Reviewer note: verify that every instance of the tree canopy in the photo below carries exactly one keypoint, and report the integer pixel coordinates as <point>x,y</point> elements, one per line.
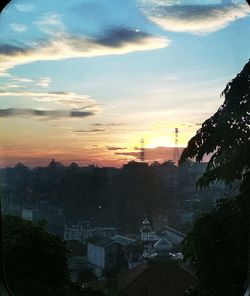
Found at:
<point>226,135</point>
<point>36,261</point>
<point>217,246</point>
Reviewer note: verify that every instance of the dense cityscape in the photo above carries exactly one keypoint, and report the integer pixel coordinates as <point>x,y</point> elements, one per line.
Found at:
<point>108,212</point>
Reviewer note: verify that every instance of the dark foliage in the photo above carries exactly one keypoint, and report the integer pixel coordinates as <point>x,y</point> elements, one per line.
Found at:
<point>217,246</point>
<point>217,249</point>
<point>36,261</point>
<point>226,135</point>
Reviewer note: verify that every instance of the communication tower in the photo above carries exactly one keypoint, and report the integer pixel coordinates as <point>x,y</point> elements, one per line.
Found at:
<point>142,151</point>
<point>176,155</point>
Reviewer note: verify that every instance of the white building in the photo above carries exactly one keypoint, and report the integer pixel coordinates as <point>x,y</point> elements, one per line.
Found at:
<point>118,253</point>
<point>102,256</point>
<point>75,232</point>
<point>81,232</point>
<point>28,214</point>
<point>150,237</point>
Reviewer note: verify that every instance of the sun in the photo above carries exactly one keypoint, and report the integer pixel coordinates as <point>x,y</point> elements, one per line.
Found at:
<point>161,141</point>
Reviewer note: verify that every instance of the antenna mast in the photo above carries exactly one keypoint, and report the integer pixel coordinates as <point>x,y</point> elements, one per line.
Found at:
<point>142,151</point>
<point>176,155</point>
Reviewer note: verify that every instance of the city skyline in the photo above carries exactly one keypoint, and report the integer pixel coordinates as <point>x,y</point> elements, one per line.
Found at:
<point>84,81</point>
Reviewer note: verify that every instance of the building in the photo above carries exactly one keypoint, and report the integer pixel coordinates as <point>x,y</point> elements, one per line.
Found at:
<point>82,232</point>
<point>155,280</point>
<point>75,232</point>
<point>118,253</point>
<point>161,276</point>
<point>102,256</point>
<point>121,253</point>
<point>131,250</point>
<point>28,214</point>
<point>150,237</point>
<point>104,232</point>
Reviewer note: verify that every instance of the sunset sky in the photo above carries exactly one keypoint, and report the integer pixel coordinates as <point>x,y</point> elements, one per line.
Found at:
<point>85,80</point>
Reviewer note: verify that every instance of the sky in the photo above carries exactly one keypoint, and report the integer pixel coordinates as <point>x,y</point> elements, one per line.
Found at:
<point>86,80</point>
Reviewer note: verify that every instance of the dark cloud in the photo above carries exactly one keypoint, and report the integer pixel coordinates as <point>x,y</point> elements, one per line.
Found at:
<point>198,19</point>
<point>116,148</point>
<point>119,36</point>
<point>8,49</point>
<point>43,113</point>
<point>80,113</point>
<point>95,130</point>
<point>64,46</point>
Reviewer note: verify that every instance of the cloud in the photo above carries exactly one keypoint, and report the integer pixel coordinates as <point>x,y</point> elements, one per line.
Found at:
<point>10,85</point>
<point>22,82</point>
<point>43,82</point>
<point>18,27</point>
<point>49,114</point>
<point>117,37</point>
<point>21,79</point>
<point>196,19</point>
<point>11,50</point>
<point>90,131</point>
<point>112,148</point>
<point>25,7</point>
<point>114,42</point>
<point>69,99</point>
<point>108,124</point>
<point>51,24</point>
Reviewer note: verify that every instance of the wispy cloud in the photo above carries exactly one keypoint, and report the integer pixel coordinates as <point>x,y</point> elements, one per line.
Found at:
<point>21,79</point>
<point>43,82</point>
<point>113,148</point>
<point>51,23</point>
<point>196,19</point>
<point>49,114</point>
<point>25,7</point>
<point>22,82</point>
<point>114,42</point>
<point>66,99</point>
<point>18,27</point>
<point>95,130</point>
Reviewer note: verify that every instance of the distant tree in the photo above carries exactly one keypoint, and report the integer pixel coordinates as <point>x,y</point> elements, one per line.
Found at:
<point>217,246</point>
<point>36,260</point>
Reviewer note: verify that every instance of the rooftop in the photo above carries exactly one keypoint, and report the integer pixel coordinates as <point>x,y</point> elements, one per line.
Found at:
<point>123,240</point>
<point>155,280</point>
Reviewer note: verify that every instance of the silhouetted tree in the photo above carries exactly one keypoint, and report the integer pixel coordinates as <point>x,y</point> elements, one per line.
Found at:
<point>36,261</point>
<point>217,246</point>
